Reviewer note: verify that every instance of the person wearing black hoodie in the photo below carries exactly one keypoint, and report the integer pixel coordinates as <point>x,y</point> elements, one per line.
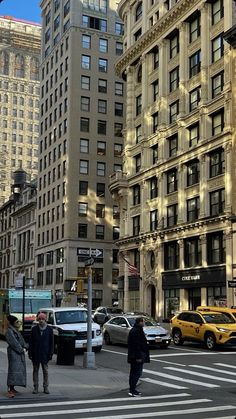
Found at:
<point>138,354</point>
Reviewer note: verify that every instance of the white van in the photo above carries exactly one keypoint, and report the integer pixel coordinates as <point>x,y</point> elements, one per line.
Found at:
<point>74,319</point>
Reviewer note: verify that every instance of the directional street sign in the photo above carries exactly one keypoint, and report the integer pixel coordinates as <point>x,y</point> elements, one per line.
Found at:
<point>232,284</point>
<point>89,262</point>
<point>95,252</point>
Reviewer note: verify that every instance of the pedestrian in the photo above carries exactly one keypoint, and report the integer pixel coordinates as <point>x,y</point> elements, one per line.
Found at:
<point>16,356</point>
<point>41,347</point>
<point>138,354</point>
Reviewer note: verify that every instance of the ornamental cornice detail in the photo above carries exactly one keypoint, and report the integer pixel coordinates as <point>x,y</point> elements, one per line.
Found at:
<point>154,33</point>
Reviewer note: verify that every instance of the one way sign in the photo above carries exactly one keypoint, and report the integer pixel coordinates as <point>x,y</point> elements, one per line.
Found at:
<point>95,252</point>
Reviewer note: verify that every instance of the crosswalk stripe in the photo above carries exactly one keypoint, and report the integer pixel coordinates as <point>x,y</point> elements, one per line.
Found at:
<point>225,365</point>
<point>199,374</point>
<point>213,369</point>
<point>170,413</point>
<point>105,408</point>
<point>93,401</point>
<point>185,380</point>
<point>161,383</point>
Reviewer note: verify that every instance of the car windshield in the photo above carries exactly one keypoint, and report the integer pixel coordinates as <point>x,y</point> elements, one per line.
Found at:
<point>148,321</point>
<point>112,310</point>
<point>71,316</point>
<point>217,318</point>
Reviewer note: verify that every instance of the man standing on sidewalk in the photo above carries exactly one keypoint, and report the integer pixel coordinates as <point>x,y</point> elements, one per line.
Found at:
<point>138,353</point>
<point>41,347</point>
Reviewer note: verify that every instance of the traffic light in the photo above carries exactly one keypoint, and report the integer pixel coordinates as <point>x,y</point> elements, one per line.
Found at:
<point>80,286</point>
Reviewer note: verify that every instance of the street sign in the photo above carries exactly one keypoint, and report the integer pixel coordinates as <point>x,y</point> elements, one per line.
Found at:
<point>87,252</point>
<point>232,284</point>
<point>95,252</point>
<point>89,262</point>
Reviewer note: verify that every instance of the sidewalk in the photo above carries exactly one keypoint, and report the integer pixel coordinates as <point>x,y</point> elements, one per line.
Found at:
<point>73,382</point>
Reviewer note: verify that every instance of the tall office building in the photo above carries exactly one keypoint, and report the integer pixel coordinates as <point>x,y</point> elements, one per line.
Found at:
<point>19,100</point>
<point>80,145</point>
<point>177,192</point>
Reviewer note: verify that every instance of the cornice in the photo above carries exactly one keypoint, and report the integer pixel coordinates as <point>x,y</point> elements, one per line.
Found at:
<point>154,33</point>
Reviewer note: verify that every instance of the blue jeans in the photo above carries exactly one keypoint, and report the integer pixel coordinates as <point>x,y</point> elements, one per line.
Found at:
<point>136,369</point>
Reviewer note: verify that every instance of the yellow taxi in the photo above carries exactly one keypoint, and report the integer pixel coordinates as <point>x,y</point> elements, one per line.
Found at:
<point>213,328</point>
<point>230,312</point>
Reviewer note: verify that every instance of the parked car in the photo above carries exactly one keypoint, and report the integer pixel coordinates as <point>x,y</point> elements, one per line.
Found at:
<point>210,327</point>
<point>103,314</point>
<point>63,319</point>
<point>116,330</point>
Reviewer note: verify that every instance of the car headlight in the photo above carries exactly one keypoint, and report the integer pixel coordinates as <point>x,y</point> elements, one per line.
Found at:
<point>98,332</point>
<point>222,329</point>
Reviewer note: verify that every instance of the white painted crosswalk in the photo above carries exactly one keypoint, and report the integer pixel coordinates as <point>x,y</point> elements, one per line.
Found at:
<point>177,405</point>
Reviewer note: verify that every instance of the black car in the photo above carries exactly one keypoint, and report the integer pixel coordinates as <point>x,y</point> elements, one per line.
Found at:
<point>103,314</point>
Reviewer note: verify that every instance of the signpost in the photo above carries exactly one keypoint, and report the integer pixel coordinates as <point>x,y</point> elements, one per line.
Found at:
<point>89,357</point>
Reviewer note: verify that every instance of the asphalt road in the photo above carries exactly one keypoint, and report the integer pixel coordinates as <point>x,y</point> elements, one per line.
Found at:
<point>180,382</point>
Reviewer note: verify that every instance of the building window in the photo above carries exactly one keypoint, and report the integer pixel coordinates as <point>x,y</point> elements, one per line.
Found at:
<point>153,220</point>
<point>194,98</point>
<point>86,62</point>
<point>136,194</point>
<point>137,34</point>
<point>102,86</point>
<point>174,79</point>
<point>192,252</point>
<point>154,122</point>
<point>85,82</point>
<point>137,160</point>
<point>217,162</point>
<point>118,128</point>
<point>217,48</point>
<point>215,248</point>
<point>153,182</point>
<point>172,182</point>
<point>172,215</point>
<point>138,105</point>
<point>193,135</point>
<point>194,28</point>
<point>155,58</point>
<point>100,232</point>
<point>154,154</point>
<point>82,231</point>
<point>174,111</point>
<point>155,90</point>
<point>85,104</point>
<point>84,145</point>
<point>173,145</point>
<point>102,65</point>
<point>118,109</point>
<point>217,122</point>
<point>84,124</point>
<point>217,11</point>
<point>83,167</point>
<point>86,41</point>
<point>136,225</point>
<point>102,106</point>
<point>116,212</point>
<point>118,148</point>
<point>101,148</point>
<point>217,84</point>
<point>193,172</point>
<point>171,255</point>
<point>101,169</point>
<point>100,210</point>
<point>119,48</point>
<point>138,133</point>
<point>103,45</point>
<point>193,209</point>
<point>174,45</point>
<point>83,187</point>
<point>102,127</point>
<point>217,202</point>
<point>138,11</point>
<point>195,64</point>
<point>83,209</point>
<point>101,188</point>
<point>119,88</point>
<point>116,233</point>
<point>119,28</point>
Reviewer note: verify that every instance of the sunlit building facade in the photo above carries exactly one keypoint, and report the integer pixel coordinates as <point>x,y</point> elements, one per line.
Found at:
<point>80,146</point>
<point>176,193</point>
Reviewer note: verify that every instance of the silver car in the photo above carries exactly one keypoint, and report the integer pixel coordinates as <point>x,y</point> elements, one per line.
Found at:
<point>116,330</point>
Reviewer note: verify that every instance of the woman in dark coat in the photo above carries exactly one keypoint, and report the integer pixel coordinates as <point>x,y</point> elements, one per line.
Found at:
<point>16,356</point>
<point>138,353</point>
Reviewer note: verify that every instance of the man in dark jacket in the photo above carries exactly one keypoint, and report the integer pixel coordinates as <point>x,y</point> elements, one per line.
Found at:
<point>41,347</point>
<point>138,353</point>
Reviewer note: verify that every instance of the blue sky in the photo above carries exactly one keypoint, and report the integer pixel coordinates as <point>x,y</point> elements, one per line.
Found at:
<point>22,9</point>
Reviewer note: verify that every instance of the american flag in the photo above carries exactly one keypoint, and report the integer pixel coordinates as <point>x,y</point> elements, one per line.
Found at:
<point>131,268</point>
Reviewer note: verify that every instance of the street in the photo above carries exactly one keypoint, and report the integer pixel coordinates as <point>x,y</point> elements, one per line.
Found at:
<point>179,382</point>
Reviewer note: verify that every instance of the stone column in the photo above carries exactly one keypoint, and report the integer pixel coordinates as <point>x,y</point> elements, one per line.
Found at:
<point>142,275</point>
<point>130,136</point>
<point>228,237</point>
<point>181,253</point>
<point>144,17</point>
<point>126,283</point>
<point>163,113</point>
<point>203,187</point>
<point>203,239</point>
<point>183,76</point>
<point>159,253</point>
<point>143,215</point>
<point>129,26</point>
<point>228,178</point>
<point>161,195</point>
<point>181,195</point>
<point>205,52</point>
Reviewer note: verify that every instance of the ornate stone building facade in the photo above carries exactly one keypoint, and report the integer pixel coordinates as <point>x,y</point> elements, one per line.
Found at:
<point>19,99</point>
<point>176,192</point>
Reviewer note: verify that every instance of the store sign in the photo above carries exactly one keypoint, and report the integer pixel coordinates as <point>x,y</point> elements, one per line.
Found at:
<point>191,278</point>
<point>202,277</point>
<point>232,284</point>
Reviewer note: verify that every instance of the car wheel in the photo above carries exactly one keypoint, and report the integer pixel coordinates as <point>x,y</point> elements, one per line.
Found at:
<point>210,341</point>
<point>97,348</point>
<point>107,339</point>
<point>177,337</point>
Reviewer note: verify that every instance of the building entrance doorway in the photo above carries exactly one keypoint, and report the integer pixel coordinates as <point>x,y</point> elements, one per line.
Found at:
<point>151,300</point>
<point>194,298</point>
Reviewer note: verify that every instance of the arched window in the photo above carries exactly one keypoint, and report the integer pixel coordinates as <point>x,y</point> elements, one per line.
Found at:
<point>4,63</point>
<point>19,66</point>
<point>139,11</point>
<point>139,74</point>
<point>34,69</point>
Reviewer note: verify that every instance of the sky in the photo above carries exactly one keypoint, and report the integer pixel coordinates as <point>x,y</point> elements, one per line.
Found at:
<point>21,9</point>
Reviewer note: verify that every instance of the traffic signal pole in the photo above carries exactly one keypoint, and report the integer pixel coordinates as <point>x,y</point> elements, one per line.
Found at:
<point>89,356</point>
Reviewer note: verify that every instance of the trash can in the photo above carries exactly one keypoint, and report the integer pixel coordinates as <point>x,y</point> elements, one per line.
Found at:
<point>66,348</point>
